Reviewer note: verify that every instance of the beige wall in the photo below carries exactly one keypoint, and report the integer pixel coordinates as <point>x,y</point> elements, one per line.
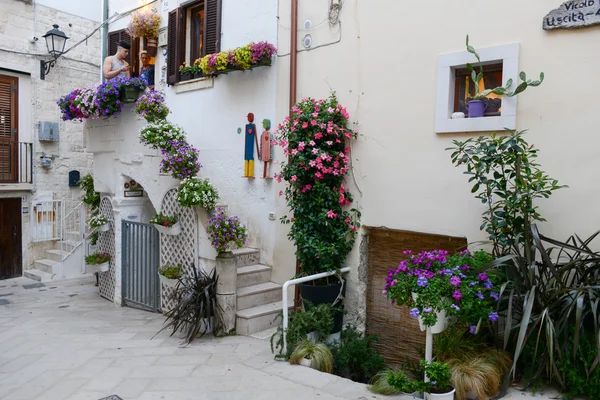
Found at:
<point>384,70</point>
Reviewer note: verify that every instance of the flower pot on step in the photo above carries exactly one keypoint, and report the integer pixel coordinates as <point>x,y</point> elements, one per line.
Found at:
<point>326,294</point>
<point>440,396</point>
<point>169,230</point>
<point>440,325</point>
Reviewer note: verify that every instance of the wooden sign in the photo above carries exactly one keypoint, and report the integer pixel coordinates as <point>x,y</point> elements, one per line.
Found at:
<point>573,14</point>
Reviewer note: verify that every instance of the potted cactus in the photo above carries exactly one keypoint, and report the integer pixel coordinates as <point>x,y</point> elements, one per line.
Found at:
<point>477,105</point>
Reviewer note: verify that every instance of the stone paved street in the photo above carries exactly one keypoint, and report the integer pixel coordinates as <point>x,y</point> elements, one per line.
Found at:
<point>62,341</point>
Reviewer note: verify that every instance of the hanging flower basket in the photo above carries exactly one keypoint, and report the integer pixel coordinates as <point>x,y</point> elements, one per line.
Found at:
<point>104,228</point>
<point>169,230</point>
<point>151,46</point>
<point>104,267</point>
<point>440,325</point>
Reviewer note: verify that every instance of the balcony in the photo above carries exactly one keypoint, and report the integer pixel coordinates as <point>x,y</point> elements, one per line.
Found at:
<point>16,166</point>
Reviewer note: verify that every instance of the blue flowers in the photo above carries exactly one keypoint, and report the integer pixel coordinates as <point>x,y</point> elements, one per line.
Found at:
<point>494,316</point>
<point>414,312</point>
<point>422,281</point>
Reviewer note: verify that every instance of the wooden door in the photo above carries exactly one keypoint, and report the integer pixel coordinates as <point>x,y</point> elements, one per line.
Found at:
<point>9,136</point>
<point>10,238</point>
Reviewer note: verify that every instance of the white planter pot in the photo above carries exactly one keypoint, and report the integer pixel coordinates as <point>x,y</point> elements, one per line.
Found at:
<point>440,325</point>
<point>306,362</point>
<point>166,281</point>
<point>312,336</point>
<point>173,230</point>
<point>442,396</point>
<point>104,228</point>
<point>472,395</point>
<point>210,326</point>
<point>104,267</point>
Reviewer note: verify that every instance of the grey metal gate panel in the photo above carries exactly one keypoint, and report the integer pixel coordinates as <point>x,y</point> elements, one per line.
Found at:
<point>140,261</point>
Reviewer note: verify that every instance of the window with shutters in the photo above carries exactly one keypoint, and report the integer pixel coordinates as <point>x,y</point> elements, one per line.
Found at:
<point>194,30</point>
<point>133,58</point>
<point>9,133</point>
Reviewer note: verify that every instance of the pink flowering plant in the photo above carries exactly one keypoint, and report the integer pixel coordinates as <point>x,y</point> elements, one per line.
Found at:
<point>151,105</point>
<point>316,142</point>
<point>445,283</point>
<point>164,220</point>
<point>225,231</point>
<point>97,258</point>
<point>262,53</point>
<point>180,159</point>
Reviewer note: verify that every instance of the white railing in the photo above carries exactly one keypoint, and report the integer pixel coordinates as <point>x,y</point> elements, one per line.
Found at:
<point>284,297</point>
<point>46,220</point>
<point>73,230</point>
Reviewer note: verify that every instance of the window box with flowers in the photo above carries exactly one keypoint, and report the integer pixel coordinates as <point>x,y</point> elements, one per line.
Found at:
<point>241,59</point>
<point>323,228</point>
<point>165,224</point>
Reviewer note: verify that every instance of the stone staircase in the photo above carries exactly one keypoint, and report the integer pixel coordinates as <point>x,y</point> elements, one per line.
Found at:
<point>54,266</point>
<point>258,299</point>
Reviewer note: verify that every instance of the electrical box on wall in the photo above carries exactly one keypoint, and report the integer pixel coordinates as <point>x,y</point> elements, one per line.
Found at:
<point>48,131</point>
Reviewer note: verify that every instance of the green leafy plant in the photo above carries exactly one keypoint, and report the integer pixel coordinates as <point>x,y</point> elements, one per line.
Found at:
<point>90,196</point>
<point>197,192</point>
<point>160,134</point>
<point>500,90</point>
<point>225,231</point>
<point>317,320</point>
<point>439,379</point>
<point>98,258</point>
<point>94,238</point>
<point>389,382</point>
<point>354,356</point>
<point>171,272</point>
<point>507,180</point>
<point>195,303</point>
<point>164,220</point>
<point>315,141</point>
<point>551,302</point>
<point>318,354</point>
<point>98,220</point>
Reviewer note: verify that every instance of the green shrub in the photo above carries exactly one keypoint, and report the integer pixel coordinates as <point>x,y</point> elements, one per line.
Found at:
<point>171,272</point>
<point>354,357</point>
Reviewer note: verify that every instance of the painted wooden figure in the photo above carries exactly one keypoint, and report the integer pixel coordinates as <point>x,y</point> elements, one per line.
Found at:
<point>251,139</point>
<point>266,154</point>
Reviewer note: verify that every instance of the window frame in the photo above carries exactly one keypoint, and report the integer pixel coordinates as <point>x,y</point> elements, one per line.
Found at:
<point>134,52</point>
<point>177,30</point>
<point>508,55</point>
<point>465,73</point>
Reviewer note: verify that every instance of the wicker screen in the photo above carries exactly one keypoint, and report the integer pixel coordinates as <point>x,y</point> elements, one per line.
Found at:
<point>400,338</point>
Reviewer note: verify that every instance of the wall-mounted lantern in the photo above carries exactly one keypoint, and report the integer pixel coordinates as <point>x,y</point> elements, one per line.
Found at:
<point>55,42</point>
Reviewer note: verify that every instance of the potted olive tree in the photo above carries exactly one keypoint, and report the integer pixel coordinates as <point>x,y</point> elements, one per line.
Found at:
<point>323,228</point>
<point>477,105</point>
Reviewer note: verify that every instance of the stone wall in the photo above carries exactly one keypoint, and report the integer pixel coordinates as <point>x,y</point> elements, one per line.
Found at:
<point>20,55</point>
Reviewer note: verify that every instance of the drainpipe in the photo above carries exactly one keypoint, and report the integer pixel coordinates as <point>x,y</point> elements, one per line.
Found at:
<point>104,38</point>
<point>293,54</point>
<point>293,81</point>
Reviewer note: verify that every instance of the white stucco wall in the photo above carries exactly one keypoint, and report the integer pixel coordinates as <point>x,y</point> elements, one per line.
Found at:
<point>384,70</point>
<point>212,116</point>
<point>20,22</point>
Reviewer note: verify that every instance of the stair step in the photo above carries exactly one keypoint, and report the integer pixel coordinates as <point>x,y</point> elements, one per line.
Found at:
<point>56,255</point>
<point>265,335</point>
<point>246,256</point>
<point>48,266</point>
<point>68,245</point>
<point>259,318</point>
<point>38,275</point>
<point>257,295</point>
<point>253,275</point>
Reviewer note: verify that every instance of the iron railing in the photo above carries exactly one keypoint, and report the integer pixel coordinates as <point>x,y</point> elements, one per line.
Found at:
<point>16,162</point>
<point>46,220</point>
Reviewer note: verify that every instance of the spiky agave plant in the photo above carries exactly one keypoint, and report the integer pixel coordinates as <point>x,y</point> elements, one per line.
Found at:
<point>196,302</point>
<point>318,353</point>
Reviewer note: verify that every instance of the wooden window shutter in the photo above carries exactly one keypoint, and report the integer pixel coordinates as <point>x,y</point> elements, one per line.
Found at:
<point>9,124</point>
<point>175,43</point>
<point>113,42</point>
<point>212,26</point>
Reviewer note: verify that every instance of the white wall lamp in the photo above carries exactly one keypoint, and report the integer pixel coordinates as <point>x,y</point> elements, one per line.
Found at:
<point>55,42</point>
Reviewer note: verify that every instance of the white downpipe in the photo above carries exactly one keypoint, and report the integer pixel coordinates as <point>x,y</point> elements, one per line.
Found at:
<point>294,282</point>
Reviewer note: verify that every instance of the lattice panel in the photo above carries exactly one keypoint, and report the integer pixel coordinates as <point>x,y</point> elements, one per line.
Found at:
<point>167,302</point>
<point>106,244</point>
<point>179,249</point>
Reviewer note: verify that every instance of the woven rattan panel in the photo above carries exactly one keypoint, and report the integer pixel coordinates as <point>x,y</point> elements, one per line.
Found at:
<point>400,338</point>
<point>106,244</point>
<point>178,249</point>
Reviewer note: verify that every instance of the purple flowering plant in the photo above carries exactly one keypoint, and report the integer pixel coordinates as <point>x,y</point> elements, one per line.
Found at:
<point>151,105</point>
<point>225,231</point>
<point>444,282</point>
<point>180,159</point>
<point>262,53</point>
